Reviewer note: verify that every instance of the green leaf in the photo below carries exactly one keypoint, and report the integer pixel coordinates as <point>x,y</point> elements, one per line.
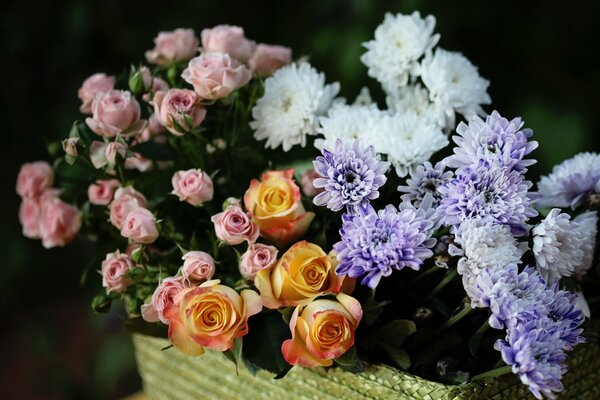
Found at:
<point>235,354</point>
<point>262,344</point>
<point>399,357</point>
<point>286,314</point>
<point>349,361</point>
<point>395,332</point>
<point>372,310</point>
<point>101,303</point>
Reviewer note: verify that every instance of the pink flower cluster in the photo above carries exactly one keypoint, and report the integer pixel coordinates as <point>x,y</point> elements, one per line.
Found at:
<point>43,214</point>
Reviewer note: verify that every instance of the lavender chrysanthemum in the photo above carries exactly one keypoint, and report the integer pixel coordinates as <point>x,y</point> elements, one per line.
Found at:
<point>488,192</point>
<point>571,182</point>
<point>586,227</point>
<point>373,244</point>
<point>425,179</point>
<point>496,140</point>
<point>351,175</point>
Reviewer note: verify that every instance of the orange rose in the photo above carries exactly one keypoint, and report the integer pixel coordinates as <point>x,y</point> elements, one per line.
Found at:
<point>211,315</point>
<point>322,331</point>
<point>303,273</point>
<point>274,204</point>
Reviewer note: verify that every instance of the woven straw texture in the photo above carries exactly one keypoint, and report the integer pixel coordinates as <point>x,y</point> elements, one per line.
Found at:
<point>169,374</point>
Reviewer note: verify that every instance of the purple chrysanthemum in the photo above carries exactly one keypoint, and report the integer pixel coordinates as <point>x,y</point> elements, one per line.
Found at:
<point>350,174</point>
<point>568,317</point>
<point>373,244</point>
<point>496,140</point>
<point>571,182</point>
<point>425,179</point>
<point>488,192</point>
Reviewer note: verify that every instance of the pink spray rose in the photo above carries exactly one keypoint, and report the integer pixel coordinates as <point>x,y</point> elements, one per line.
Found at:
<point>215,75</point>
<point>227,39</point>
<point>115,112</point>
<point>152,84</point>
<point>97,83</point>
<point>171,106</point>
<point>198,266</point>
<point>114,272</point>
<point>152,128</point>
<point>126,199</point>
<point>101,193</point>
<point>34,178</point>
<point>266,59</point>
<point>140,226</point>
<point>258,256</point>
<point>163,298</point>
<point>59,222</point>
<point>306,181</point>
<point>233,226</point>
<point>173,47</point>
<point>29,215</point>
<point>102,154</point>
<point>139,162</point>
<point>193,186</point>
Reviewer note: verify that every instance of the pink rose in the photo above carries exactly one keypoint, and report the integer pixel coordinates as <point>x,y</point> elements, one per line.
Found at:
<point>29,215</point>
<point>125,200</point>
<point>193,186</point>
<point>101,193</point>
<point>233,226</point>
<point>70,146</point>
<point>162,298</point>
<point>59,222</point>
<point>114,272</point>
<point>268,58</point>
<point>227,39</point>
<point>139,162</point>
<point>258,256</point>
<point>140,226</point>
<point>34,178</point>
<point>102,154</point>
<point>172,107</point>
<point>215,75</point>
<point>152,128</point>
<point>173,47</point>
<point>306,181</point>
<point>97,83</point>
<point>115,112</point>
<point>198,266</point>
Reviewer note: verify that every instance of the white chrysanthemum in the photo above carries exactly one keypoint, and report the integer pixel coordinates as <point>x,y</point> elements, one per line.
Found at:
<point>295,96</point>
<point>586,229</point>
<point>408,140</point>
<point>415,98</point>
<point>557,246</point>
<point>399,42</point>
<point>348,123</point>
<point>454,83</point>
<point>363,98</point>
<point>484,244</point>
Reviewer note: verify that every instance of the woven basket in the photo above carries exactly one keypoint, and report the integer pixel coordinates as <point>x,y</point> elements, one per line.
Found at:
<point>171,375</point>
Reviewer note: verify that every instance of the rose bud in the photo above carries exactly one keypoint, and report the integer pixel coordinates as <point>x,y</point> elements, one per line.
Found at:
<point>115,268</point>
<point>266,59</point>
<point>140,226</point>
<point>215,75</point>
<point>233,226</point>
<point>70,146</point>
<point>258,257</point>
<point>193,186</point>
<point>163,298</point>
<point>102,154</point>
<point>126,199</point>
<point>227,39</point>
<point>97,83</point>
<point>101,193</point>
<point>322,331</point>
<point>115,112</point>
<point>198,266</point>
<point>303,273</point>
<point>59,222</point>
<point>34,178</point>
<point>173,47</point>
<point>190,330</point>
<point>178,110</point>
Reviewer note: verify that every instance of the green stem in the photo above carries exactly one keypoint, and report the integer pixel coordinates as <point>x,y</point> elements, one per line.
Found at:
<point>492,374</point>
<point>447,279</point>
<point>424,274</point>
<point>466,310</point>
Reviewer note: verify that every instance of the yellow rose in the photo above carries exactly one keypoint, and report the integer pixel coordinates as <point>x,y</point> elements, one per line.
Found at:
<point>303,273</point>
<point>275,206</point>
<point>322,331</point>
<point>211,315</point>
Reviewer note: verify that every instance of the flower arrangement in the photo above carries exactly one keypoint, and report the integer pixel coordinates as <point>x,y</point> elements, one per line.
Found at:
<point>238,204</point>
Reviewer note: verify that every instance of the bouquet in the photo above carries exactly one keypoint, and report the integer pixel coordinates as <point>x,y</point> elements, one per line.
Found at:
<point>238,204</point>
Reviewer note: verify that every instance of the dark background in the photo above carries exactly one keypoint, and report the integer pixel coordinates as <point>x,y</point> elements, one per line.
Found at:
<point>538,56</point>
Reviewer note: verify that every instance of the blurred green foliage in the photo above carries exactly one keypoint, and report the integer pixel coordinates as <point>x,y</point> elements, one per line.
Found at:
<point>537,55</point>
